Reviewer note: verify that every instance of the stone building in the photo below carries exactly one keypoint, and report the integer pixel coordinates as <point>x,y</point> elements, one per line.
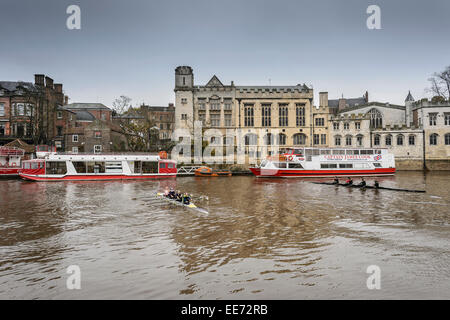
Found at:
<point>252,117</point>
<point>163,118</point>
<point>418,133</point>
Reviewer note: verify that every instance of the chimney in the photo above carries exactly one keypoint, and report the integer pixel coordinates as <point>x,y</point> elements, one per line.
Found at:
<point>171,105</point>
<point>48,82</point>
<point>39,80</point>
<point>323,99</point>
<point>58,87</point>
<point>66,100</point>
<point>367,96</point>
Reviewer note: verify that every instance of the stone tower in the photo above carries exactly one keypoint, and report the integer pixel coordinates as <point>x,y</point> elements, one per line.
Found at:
<point>184,98</point>
<point>409,101</point>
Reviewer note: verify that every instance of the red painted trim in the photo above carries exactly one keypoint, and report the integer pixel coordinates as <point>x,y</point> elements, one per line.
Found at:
<point>321,173</point>
<point>94,177</point>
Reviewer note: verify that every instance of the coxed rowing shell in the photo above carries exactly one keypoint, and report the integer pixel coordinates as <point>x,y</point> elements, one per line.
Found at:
<point>367,187</point>
<point>190,205</point>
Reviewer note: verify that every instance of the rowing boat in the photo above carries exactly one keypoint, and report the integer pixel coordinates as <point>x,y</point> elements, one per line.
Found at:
<point>190,205</point>
<point>368,187</point>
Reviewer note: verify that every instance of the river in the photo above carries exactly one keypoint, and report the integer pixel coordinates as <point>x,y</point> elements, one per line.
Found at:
<point>255,239</point>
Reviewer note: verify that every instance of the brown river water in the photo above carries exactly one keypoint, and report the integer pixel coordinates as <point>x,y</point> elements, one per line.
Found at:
<point>255,239</point>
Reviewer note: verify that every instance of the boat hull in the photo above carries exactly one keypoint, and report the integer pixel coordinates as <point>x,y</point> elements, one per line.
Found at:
<point>276,173</point>
<point>9,173</point>
<point>105,177</point>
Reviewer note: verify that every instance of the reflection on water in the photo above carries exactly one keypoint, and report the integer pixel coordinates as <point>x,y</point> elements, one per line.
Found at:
<point>261,239</point>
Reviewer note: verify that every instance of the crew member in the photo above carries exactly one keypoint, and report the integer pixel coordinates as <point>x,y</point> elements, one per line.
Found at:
<point>376,184</point>
<point>336,180</point>
<point>349,181</point>
<point>362,183</point>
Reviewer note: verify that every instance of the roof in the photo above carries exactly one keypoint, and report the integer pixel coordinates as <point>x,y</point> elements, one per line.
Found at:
<point>84,116</point>
<point>351,102</point>
<point>14,85</point>
<point>85,106</point>
<point>374,104</point>
<point>18,143</point>
<point>409,97</point>
<point>160,108</point>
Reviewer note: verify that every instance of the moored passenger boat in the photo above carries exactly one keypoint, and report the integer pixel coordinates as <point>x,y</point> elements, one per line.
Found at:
<point>75,167</point>
<point>326,162</point>
<point>10,158</point>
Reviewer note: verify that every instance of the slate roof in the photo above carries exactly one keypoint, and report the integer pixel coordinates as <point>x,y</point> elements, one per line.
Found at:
<point>409,97</point>
<point>85,106</point>
<point>14,85</point>
<point>84,116</point>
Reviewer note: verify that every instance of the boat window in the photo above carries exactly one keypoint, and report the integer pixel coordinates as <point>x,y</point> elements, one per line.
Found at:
<point>378,151</point>
<point>295,166</point>
<point>363,152</point>
<point>377,165</point>
<point>137,167</point>
<point>369,151</point>
<point>42,165</point>
<point>280,164</point>
<point>162,165</point>
<point>298,152</point>
<point>308,152</point>
<point>338,151</point>
<point>113,166</point>
<point>316,152</point>
<point>263,163</point>
<point>349,151</point>
<point>26,165</point>
<point>355,151</point>
<point>149,167</point>
<point>170,165</point>
<point>56,167</point>
<point>34,165</point>
<point>328,165</point>
<point>325,151</point>
<point>80,166</point>
<point>345,165</point>
<point>95,167</point>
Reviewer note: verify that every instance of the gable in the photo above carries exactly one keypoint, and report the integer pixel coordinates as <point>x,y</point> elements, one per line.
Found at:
<point>214,82</point>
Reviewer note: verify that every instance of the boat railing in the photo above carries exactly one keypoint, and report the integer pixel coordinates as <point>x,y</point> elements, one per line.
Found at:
<point>65,153</point>
<point>11,151</point>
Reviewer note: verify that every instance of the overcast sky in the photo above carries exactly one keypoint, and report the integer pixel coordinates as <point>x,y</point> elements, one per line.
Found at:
<point>132,47</point>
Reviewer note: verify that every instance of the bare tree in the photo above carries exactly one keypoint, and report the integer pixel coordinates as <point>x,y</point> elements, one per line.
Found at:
<point>440,84</point>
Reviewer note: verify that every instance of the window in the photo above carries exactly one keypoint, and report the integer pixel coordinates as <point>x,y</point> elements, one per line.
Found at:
<point>433,118</point>
<point>97,134</point>
<point>268,139</point>
<point>250,139</point>
<point>346,126</point>
<point>202,118</point>
<point>29,109</point>
<point>447,119</point>
<point>348,140</point>
<point>357,125</point>
<point>388,140</point>
<point>2,109</point>
<point>266,120</point>
<point>74,149</point>
<point>280,164</point>
<point>183,116</point>
<point>97,148</point>
<point>412,140</point>
<point>376,140</point>
<point>447,139</point>
<point>183,100</point>
<point>433,139</point>
<point>336,125</point>
<point>400,140</point>
<point>320,122</point>
<point>300,115</point>
<point>345,165</point>
<point>323,139</point>
<point>299,139</point>
<point>149,167</point>
<point>227,105</point>
<point>56,167</point>
<point>281,139</point>
<point>75,138</point>
<point>248,115</point>
<point>215,105</point>
<point>359,140</point>
<point>59,130</point>
<point>2,130</point>
<point>20,109</point>
<point>59,114</point>
<point>215,119</point>
<point>227,118</point>
<point>283,115</point>
<point>293,165</point>
<point>376,119</point>
<point>315,138</point>
<point>337,140</point>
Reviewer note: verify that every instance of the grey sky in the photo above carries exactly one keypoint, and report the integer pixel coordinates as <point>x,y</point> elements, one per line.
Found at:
<point>132,47</point>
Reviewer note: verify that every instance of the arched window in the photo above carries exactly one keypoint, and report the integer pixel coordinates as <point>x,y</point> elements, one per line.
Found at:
<point>376,118</point>
<point>433,139</point>
<point>299,139</point>
<point>251,139</point>
<point>388,140</point>
<point>348,140</point>
<point>359,140</point>
<point>376,140</point>
<point>268,139</point>
<point>447,139</point>
<point>281,139</point>
<point>412,140</point>
<point>400,140</point>
<point>337,140</point>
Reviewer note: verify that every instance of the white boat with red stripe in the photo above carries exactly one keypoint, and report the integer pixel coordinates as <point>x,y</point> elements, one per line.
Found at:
<point>76,167</point>
<point>327,162</point>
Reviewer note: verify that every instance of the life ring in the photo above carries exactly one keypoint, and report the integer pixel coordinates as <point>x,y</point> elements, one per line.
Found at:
<point>290,158</point>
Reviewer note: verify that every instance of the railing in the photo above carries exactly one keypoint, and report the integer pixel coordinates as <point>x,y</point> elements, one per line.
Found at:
<point>187,170</point>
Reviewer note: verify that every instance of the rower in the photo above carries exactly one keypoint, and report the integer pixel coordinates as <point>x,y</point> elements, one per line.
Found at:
<point>171,194</point>
<point>362,183</point>
<point>376,184</point>
<point>186,199</point>
<point>336,180</point>
<point>178,196</point>
<point>349,181</point>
